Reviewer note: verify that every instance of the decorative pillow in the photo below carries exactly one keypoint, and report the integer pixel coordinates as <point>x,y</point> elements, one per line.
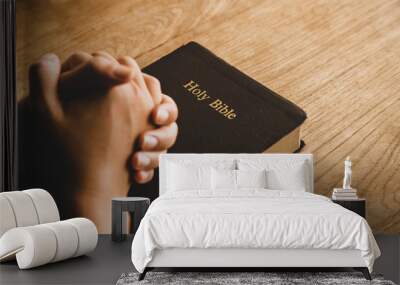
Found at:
<point>282,174</point>
<point>251,178</point>
<point>293,178</point>
<point>204,162</point>
<point>223,179</point>
<point>181,178</point>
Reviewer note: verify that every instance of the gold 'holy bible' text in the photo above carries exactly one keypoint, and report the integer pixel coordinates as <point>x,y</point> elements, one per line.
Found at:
<point>217,104</point>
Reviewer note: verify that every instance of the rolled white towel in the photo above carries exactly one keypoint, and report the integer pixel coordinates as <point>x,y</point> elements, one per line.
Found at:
<point>40,244</point>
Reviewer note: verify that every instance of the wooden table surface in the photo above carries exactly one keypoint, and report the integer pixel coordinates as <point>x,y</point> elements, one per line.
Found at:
<point>338,60</point>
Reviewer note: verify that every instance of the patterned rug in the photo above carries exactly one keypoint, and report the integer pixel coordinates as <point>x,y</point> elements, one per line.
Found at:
<point>269,278</point>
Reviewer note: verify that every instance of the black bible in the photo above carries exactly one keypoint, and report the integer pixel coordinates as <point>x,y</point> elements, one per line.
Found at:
<point>222,110</point>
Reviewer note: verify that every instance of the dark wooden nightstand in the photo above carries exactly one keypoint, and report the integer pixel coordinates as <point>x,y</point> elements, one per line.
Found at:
<point>357,206</point>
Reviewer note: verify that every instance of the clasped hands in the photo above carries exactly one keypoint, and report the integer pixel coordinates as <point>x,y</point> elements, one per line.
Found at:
<point>111,120</point>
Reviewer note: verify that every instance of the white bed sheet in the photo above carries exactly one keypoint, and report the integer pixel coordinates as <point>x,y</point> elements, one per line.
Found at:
<point>250,218</point>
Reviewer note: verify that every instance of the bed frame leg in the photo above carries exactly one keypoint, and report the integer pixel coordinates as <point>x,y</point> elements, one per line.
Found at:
<point>364,271</point>
<point>143,274</point>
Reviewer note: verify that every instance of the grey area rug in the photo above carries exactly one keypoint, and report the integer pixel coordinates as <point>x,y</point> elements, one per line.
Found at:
<point>232,278</point>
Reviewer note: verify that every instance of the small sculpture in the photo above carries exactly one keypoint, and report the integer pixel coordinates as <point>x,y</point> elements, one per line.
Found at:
<point>347,174</point>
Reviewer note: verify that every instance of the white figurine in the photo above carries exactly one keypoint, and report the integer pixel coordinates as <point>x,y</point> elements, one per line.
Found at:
<point>347,174</point>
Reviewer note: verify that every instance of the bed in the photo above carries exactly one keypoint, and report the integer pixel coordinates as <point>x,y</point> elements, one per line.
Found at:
<point>247,210</point>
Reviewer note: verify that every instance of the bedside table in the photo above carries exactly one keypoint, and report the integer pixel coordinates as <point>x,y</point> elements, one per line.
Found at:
<point>136,205</point>
<point>356,206</point>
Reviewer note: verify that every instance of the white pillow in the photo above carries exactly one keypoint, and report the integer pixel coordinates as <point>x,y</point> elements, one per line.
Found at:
<point>282,174</point>
<point>293,179</point>
<point>204,162</point>
<point>223,179</point>
<point>251,178</point>
<point>181,177</point>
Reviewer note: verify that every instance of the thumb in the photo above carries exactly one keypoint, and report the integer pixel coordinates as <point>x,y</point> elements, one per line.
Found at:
<point>43,82</point>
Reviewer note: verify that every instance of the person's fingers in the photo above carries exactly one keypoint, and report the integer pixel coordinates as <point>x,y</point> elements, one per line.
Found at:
<point>159,139</point>
<point>43,81</point>
<point>142,177</point>
<point>117,71</point>
<point>99,72</point>
<point>167,99</point>
<point>100,63</point>
<point>79,58</point>
<point>166,112</point>
<point>154,87</point>
<point>76,59</point>
<point>137,73</point>
<point>94,73</point>
<point>146,160</point>
<point>106,55</point>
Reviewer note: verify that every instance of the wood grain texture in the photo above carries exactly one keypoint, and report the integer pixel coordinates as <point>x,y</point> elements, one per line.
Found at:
<point>338,60</point>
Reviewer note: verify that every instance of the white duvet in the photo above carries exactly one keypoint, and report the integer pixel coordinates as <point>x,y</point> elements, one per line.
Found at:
<point>250,218</point>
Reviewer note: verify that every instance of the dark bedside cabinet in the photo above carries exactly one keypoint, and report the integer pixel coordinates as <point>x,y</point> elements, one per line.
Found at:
<point>136,205</point>
<point>357,206</point>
